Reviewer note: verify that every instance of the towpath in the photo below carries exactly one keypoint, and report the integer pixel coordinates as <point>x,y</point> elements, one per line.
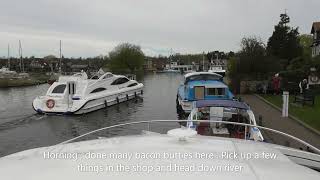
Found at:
<point>272,118</point>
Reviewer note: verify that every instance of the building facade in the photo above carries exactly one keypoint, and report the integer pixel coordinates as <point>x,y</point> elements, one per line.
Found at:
<point>315,30</point>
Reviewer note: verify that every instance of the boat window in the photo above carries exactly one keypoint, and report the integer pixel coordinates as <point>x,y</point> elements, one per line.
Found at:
<point>73,88</point>
<point>98,90</point>
<point>59,89</point>
<point>95,77</point>
<point>221,91</point>
<point>215,91</point>
<point>120,81</point>
<point>107,76</point>
<point>211,91</point>
<point>131,85</point>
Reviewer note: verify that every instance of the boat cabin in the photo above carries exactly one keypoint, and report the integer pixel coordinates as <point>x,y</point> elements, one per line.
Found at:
<point>199,86</point>
<point>79,84</point>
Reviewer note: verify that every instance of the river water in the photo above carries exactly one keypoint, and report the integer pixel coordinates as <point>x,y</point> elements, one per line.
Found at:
<point>21,128</point>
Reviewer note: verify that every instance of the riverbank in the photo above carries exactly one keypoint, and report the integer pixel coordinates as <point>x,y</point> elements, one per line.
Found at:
<point>272,118</point>
<point>34,79</point>
<point>307,114</point>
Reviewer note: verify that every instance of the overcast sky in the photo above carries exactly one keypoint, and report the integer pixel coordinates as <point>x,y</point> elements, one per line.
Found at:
<point>94,27</point>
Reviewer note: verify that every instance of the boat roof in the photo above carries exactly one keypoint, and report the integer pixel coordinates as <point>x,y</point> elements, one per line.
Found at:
<point>32,164</point>
<point>201,73</point>
<point>208,83</point>
<point>221,103</point>
<point>217,70</point>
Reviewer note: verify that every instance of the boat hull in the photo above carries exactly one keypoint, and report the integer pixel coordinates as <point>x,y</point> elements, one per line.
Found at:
<point>183,106</point>
<point>86,105</point>
<point>104,102</point>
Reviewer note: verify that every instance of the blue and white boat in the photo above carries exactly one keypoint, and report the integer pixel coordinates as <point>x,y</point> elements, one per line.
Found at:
<point>201,86</point>
<point>220,113</point>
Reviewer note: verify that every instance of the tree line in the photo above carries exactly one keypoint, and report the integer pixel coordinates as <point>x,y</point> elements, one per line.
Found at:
<point>286,52</point>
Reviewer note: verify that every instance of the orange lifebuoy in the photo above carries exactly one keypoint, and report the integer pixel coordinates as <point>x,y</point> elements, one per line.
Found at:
<point>50,103</point>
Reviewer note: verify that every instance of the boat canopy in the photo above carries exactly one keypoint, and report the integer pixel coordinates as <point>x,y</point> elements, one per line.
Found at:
<point>221,103</point>
<point>208,84</point>
<point>194,76</point>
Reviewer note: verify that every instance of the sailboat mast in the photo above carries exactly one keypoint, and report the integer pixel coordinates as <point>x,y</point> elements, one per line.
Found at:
<point>8,56</point>
<point>21,59</point>
<point>202,61</point>
<point>170,58</point>
<point>60,68</point>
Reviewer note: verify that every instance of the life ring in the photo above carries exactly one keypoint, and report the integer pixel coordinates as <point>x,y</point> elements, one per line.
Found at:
<point>314,79</point>
<point>50,103</point>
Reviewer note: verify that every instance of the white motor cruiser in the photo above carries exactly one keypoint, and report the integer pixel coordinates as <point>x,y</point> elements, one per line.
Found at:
<point>77,94</point>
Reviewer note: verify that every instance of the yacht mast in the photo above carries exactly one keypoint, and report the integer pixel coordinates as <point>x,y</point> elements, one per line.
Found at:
<point>21,59</point>
<point>170,58</point>
<point>60,68</point>
<point>203,61</point>
<point>8,57</point>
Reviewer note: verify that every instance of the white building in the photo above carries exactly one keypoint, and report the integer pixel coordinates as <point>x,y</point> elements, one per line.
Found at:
<point>315,30</point>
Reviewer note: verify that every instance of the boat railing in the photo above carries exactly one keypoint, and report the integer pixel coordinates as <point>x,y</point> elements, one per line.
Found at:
<point>310,147</point>
<point>131,76</point>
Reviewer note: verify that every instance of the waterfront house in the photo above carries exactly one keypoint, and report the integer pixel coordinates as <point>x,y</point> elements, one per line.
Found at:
<point>148,65</point>
<point>315,30</point>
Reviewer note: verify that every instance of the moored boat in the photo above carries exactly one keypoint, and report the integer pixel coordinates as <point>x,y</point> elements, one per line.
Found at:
<point>218,70</point>
<point>78,95</point>
<point>201,86</point>
<point>174,67</point>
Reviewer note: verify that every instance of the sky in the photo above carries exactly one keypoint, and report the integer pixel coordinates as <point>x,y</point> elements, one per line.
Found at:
<point>94,27</point>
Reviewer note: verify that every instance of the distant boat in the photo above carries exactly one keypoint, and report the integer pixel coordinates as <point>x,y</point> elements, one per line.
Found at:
<point>6,73</point>
<point>217,69</point>
<point>174,67</point>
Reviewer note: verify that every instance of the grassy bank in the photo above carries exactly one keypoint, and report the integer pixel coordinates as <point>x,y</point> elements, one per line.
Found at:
<point>308,114</point>
<point>34,79</point>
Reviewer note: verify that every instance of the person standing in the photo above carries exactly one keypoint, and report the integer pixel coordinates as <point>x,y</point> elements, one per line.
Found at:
<point>276,84</point>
